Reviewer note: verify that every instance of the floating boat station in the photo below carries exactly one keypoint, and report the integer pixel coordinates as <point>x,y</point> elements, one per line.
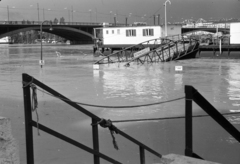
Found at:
<point>155,44</point>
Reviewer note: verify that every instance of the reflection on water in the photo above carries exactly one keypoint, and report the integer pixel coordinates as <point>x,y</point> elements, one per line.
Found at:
<point>73,75</point>
<point>234,85</point>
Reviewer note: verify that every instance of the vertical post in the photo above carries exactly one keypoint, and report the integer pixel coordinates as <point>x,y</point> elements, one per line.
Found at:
<point>169,51</point>
<point>72,14</point>
<point>183,43</point>
<point>8,13</point>
<point>153,19</point>
<point>43,15</point>
<point>220,45</point>
<point>41,58</point>
<point>28,119</point>
<point>115,21</point>
<point>142,155</point>
<point>188,120</point>
<point>38,12</point>
<point>96,15</point>
<point>95,140</point>
<point>162,53</point>
<point>176,47</point>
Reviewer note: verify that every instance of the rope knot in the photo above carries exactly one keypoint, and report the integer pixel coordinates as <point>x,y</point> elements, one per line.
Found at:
<point>113,129</point>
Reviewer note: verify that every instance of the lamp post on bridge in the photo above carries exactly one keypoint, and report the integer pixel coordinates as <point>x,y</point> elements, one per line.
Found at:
<point>165,4</point>
<point>41,61</point>
<point>8,13</point>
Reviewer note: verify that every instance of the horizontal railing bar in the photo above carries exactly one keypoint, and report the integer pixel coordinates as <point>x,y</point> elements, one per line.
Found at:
<point>73,142</point>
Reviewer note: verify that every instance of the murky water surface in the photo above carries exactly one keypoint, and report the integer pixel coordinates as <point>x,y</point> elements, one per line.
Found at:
<point>72,74</point>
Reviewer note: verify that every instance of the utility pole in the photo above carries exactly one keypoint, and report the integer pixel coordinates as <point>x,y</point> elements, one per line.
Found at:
<point>8,13</point>
<point>153,19</point>
<point>96,14</point>
<point>72,14</point>
<point>43,15</point>
<point>38,11</point>
<point>159,20</point>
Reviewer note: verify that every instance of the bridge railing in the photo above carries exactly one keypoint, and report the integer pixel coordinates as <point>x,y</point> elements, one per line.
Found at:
<point>54,23</point>
<point>46,23</point>
<point>30,82</point>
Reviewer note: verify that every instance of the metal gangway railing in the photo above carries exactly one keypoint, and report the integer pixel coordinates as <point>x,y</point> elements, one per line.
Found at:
<point>191,95</point>
<point>162,49</point>
<point>30,82</point>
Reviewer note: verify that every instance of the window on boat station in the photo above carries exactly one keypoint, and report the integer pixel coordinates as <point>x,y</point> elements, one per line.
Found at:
<point>131,32</point>
<point>148,32</point>
<point>118,31</point>
<point>112,31</point>
<point>106,31</point>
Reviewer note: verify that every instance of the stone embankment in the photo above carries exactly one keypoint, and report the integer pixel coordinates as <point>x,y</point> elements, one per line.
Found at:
<point>8,146</point>
<point>179,159</point>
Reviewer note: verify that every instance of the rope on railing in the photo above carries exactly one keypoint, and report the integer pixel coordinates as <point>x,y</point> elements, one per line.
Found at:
<point>113,129</point>
<point>34,100</point>
<point>103,106</point>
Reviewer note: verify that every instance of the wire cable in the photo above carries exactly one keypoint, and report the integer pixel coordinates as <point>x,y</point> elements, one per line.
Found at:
<point>103,106</point>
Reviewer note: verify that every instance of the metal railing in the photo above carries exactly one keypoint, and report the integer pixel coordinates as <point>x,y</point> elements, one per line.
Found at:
<point>28,82</point>
<point>193,95</point>
<point>27,22</point>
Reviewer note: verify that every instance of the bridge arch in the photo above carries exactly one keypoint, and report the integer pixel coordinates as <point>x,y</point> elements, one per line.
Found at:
<point>68,33</point>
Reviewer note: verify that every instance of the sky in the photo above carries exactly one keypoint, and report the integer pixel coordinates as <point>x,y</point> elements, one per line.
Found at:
<point>106,10</point>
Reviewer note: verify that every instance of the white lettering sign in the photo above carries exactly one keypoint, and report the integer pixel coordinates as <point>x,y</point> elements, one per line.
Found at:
<point>143,51</point>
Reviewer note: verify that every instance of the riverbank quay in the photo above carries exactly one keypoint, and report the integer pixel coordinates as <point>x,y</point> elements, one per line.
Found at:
<point>8,146</point>
<point>221,52</point>
<point>179,159</point>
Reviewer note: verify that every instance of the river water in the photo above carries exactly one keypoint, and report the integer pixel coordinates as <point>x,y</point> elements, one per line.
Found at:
<point>72,74</point>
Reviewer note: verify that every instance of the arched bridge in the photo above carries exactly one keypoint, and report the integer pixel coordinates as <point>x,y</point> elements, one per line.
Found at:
<point>76,32</point>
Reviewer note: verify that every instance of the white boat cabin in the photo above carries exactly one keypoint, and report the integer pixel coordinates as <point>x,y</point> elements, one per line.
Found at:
<point>235,33</point>
<point>119,37</point>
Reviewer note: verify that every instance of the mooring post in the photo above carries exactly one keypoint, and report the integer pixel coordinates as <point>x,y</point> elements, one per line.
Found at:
<point>28,118</point>
<point>95,140</point>
<point>188,120</point>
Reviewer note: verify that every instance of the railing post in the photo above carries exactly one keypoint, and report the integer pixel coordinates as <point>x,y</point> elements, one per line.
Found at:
<point>28,119</point>
<point>169,51</point>
<point>142,155</point>
<point>95,140</point>
<point>188,120</point>
<point>176,47</point>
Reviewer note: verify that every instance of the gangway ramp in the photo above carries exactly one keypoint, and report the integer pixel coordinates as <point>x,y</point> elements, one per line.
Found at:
<point>157,50</point>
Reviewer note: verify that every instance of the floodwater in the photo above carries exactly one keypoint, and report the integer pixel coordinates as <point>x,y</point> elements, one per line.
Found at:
<point>72,75</point>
